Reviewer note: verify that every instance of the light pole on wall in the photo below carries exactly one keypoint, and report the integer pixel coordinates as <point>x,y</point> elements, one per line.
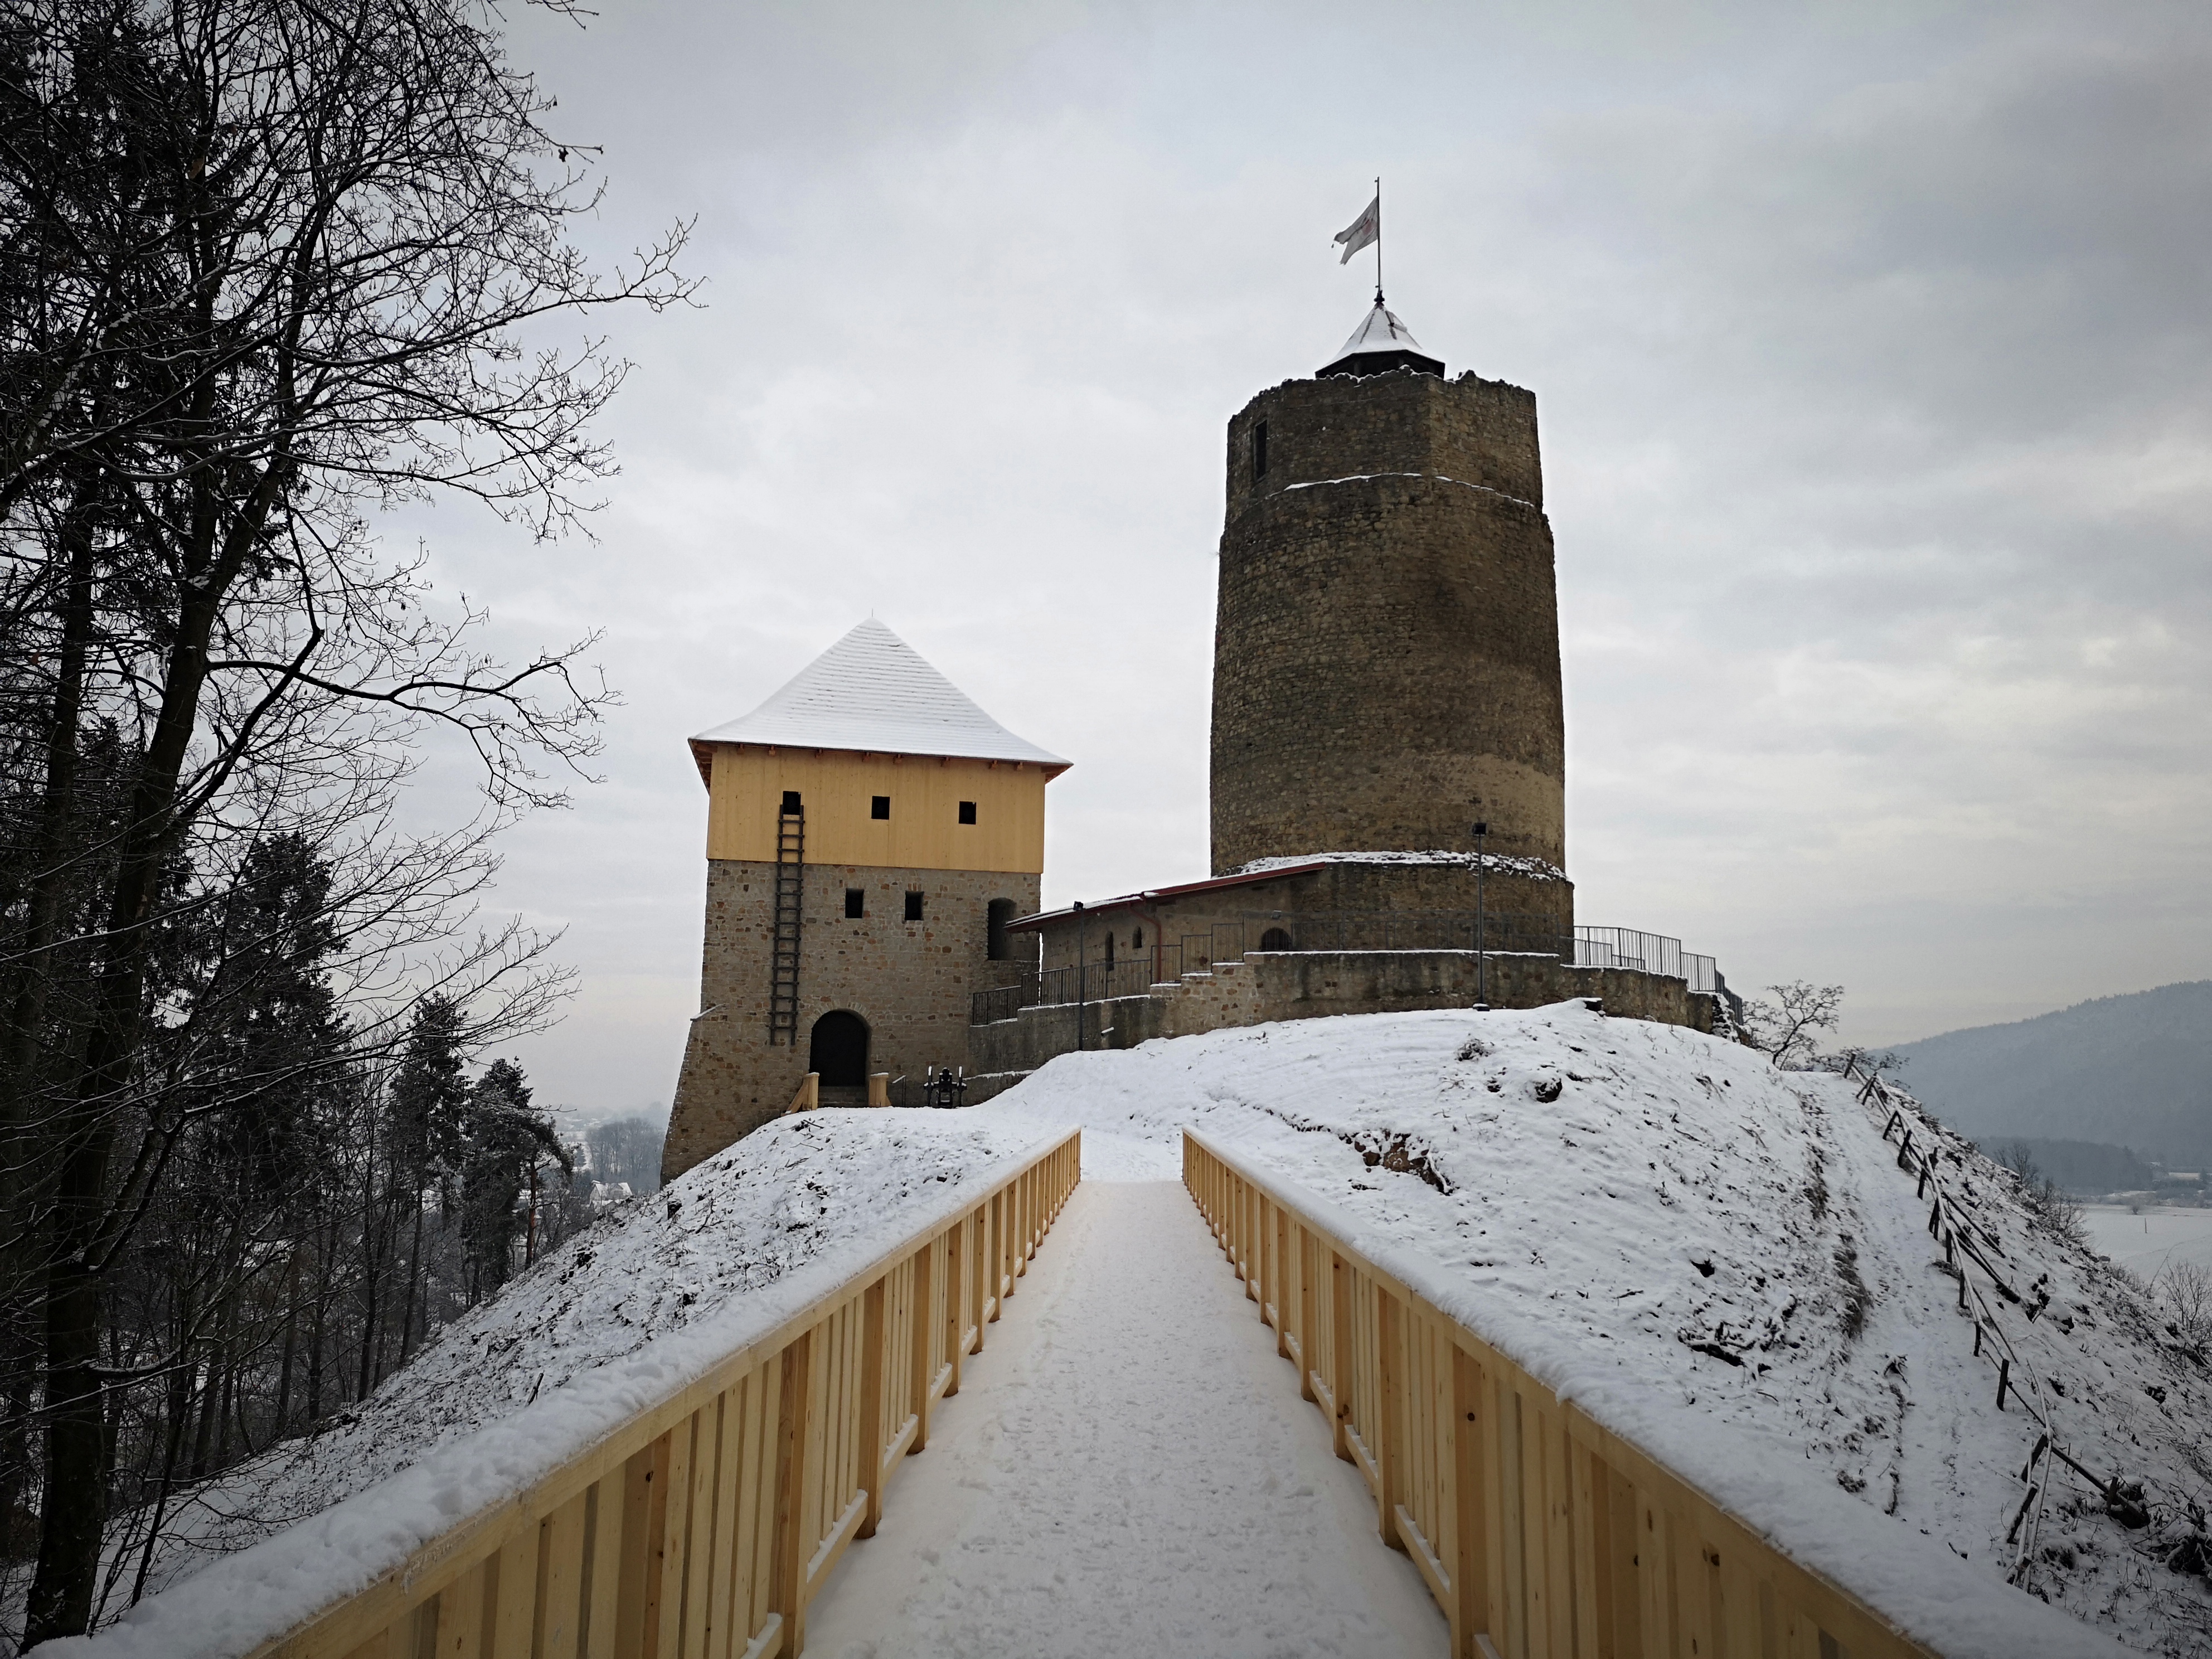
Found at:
<point>1481,961</point>
<point>1082,981</point>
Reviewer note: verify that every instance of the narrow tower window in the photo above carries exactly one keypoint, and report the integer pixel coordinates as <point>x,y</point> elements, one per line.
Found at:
<point>856,903</point>
<point>1259,451</point>
<point>996,915</point>
<point>967,812</point>
<point>914,907</point>
<point>879,806</point>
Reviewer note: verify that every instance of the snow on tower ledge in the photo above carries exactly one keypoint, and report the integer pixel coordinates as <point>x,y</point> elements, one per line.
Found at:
<point>874,694</point>
<point>1381,343</point>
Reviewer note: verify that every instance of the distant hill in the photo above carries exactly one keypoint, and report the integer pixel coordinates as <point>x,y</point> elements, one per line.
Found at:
<point>2133,1071</point>
<point>2088,1167</point>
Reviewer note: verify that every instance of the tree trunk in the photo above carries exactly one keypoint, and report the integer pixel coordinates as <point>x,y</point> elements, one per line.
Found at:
<point>291,1345</point>
<point>414,1273</point>
<point>49,852</point>
<point>77,1443</point>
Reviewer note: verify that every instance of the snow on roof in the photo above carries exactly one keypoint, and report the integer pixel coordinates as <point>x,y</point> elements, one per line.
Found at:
<point>1511,862</point>
<point>1245,877</point>
<point>1380,330</point>
<point>874,693</point>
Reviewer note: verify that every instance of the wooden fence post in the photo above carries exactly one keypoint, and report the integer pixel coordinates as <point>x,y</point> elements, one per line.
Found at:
<point>793,1477</point>
<point>1389,1416</point>
<point>1470,1611</point>
<point>874,1310</point>
<point>1339,1352</point>
<point>928,1326</point>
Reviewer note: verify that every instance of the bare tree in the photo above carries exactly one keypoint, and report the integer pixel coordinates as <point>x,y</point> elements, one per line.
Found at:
<point>1786,1028</point>
<point>280,267</point>
<point>2184,1290</point>
<point>2047,1201</point>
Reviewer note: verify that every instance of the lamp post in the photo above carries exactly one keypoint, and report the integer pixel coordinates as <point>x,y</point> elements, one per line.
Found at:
<point>1082,979</point>
<point>1481,960</point>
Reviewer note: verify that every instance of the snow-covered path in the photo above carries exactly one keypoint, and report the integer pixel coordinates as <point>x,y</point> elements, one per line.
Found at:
<point>1127,1468</point>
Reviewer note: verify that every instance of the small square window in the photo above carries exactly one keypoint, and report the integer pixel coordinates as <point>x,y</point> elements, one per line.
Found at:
<point>790,800</point>
<point>879,806</point>
<point>856,903</point>
<point>967,812</point>
<point>914,907</point>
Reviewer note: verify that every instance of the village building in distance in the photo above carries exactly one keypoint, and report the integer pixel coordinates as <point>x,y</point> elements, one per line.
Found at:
<point>1388,795</point>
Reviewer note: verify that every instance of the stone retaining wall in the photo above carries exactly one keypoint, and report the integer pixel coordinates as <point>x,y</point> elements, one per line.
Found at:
<point>1308,984</point>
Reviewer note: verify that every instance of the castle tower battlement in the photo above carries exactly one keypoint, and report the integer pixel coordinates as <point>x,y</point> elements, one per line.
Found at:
<point>1387,645</point>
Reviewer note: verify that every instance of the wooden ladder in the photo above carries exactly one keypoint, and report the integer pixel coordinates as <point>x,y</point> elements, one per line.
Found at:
<point>790,887</point>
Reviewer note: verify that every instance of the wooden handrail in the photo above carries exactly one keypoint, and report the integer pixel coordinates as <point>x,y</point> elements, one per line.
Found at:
<point>704,1525</point>
<point>1539,1533</point>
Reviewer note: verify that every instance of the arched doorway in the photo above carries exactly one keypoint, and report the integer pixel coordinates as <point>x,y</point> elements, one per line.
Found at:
<point>997,947</point>
<point>839,1049</point>
<point>1275,939</point>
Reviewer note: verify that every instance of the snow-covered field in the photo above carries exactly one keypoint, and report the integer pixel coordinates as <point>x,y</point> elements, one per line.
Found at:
<point>2144,1242</point>
<point>1723,1259</point>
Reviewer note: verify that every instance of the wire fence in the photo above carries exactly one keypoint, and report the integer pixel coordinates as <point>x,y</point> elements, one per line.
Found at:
<point>1105,975</point>
<point>1967,1244</point>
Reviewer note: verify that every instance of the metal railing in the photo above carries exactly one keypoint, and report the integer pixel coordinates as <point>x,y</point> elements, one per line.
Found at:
<point>1650,953</point>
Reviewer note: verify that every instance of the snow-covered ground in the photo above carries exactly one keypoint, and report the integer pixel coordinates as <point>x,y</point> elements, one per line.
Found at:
<point>1723,1259</point>
<point>2144,1241</point>
<point>1127,1468</point>
<point>1718,1255</point>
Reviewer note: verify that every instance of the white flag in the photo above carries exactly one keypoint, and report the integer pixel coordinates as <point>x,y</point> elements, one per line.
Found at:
<point>1366,229</point>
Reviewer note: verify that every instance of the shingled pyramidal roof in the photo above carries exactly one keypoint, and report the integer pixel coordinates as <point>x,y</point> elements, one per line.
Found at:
<point>871,692</point>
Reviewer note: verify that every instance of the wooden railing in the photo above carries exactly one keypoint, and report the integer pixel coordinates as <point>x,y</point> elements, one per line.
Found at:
<point>1540,1533</point>
<point>701,1529</point>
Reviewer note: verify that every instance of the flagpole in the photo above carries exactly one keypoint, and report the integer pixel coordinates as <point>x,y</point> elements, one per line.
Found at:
<point>1378,239</point>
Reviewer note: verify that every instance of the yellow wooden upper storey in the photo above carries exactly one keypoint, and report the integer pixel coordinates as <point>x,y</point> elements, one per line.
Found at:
<point>837,787</point>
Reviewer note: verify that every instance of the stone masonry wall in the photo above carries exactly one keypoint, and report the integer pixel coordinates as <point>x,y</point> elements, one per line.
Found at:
<point>1386,662</point>
<point>910,981</point>
<point>1190,930</point>
<point>1310,984</point>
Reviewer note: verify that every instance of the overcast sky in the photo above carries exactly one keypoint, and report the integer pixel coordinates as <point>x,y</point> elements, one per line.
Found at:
<point>1870,345</point>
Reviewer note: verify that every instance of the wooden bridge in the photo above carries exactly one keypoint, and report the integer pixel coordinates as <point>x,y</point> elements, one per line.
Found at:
<point>711,1525</point>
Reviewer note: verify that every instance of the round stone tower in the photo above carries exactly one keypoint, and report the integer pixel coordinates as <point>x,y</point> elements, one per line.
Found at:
<point>1386,669</point>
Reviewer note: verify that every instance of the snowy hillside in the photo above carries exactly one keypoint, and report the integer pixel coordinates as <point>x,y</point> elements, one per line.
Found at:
<point>1722,1251</point>
<point>614,1320</point>
<point>1718,1254</point>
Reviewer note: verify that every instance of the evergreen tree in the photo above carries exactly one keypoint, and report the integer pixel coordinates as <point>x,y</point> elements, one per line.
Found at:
<point>507,1144</point>
<point>429,1098</point>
